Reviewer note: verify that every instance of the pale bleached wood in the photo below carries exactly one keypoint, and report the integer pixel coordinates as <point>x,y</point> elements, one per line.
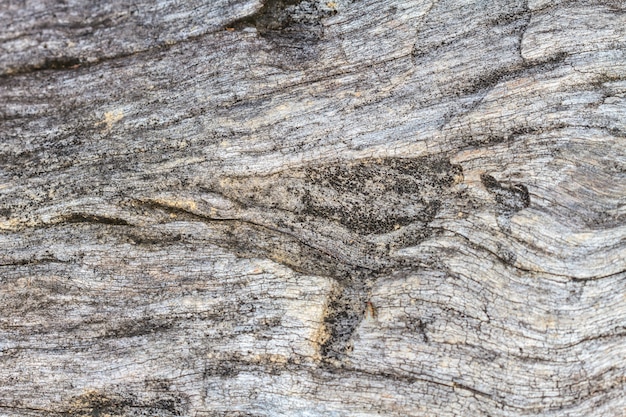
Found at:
<point>306,208</point>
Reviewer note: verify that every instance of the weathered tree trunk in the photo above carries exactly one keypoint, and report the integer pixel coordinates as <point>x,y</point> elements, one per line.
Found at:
<point>311,208</point>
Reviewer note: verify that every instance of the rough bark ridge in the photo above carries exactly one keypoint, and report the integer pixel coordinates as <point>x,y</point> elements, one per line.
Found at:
<point>284,207</point>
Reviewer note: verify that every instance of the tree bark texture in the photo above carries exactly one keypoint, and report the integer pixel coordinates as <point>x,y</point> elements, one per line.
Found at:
<point>313,208</point>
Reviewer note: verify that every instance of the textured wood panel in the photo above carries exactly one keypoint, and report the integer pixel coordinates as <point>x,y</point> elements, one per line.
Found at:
<point>311,208</point>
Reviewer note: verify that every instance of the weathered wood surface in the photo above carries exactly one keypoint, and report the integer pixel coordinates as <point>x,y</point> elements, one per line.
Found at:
<point>303,208</point>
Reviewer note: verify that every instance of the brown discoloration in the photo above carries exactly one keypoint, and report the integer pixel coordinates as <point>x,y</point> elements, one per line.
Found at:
<point>371,311</point>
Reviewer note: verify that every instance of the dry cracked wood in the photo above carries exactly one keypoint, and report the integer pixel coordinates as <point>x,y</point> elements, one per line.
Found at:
<point>312,208</point>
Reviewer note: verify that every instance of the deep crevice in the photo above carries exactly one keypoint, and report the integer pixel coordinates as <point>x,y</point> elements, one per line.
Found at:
<point>92,218</point>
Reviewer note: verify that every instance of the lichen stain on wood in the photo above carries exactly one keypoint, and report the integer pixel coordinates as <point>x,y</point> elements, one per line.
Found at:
<point>338,218</point>
<point>366,197</point>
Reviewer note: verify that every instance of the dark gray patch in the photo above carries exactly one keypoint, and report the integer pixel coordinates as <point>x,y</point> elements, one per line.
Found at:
<point>513,198</point>
<point>367,197</point>
<point>90,218</point>
<point>48,63</point>
<point>340,220</point>
<point>57,63</point>
<point>344,311</point>
<point>221,369</point>
<point>137,327</point>
<point>99,404</point>
<point>509,199</point>
<point>376,197</point>
<point>507,256</point>
<point>290,18</point>
<point>419,326</point>
<point>292,28</point>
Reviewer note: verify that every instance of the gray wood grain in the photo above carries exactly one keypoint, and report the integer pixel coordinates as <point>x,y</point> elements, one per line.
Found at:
<point>311,208</point>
